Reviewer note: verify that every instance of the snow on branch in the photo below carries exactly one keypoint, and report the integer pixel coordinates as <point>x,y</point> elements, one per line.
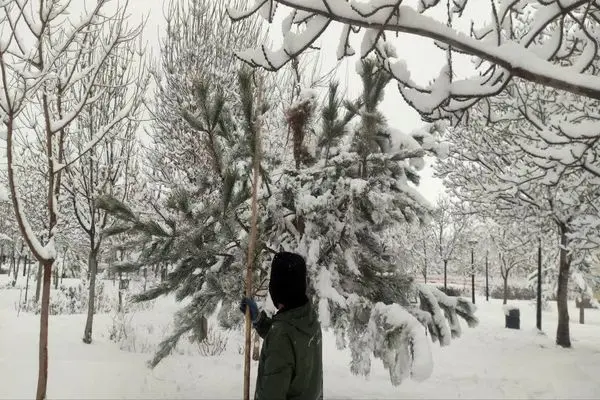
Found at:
<point>506,47</point>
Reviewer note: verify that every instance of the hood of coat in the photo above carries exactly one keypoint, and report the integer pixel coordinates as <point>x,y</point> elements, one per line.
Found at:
<point>302,318</point>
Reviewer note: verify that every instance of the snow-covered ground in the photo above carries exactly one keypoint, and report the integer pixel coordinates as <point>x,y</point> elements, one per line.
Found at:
<point>487,362</point>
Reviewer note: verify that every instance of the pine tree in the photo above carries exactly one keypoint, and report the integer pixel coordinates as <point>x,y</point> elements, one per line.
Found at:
<point>340,210</point>
<point>202,232</point>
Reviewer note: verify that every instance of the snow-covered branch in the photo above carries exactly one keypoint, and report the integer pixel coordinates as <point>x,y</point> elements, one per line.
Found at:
<point>505,46</point>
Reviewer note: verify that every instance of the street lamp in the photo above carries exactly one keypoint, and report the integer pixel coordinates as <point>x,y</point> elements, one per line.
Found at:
<point>473,242</point>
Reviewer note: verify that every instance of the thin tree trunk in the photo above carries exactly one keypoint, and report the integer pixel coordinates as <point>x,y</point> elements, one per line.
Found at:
<point>17,262</point>
<point>55,278</point>
<point>563,336</point>
<point>424,261</point>
<point>28,268</point>
<point>2,261</point>
<point>38,284</point>
<point>93,268</point>
<point>505,279</point>
<point>446,275</point>
<point>43,345</point>
<point>581,312</point>
<point>12,260</point>
<point>120,292</point>
<point>16,267</point>
<point>538,311</point>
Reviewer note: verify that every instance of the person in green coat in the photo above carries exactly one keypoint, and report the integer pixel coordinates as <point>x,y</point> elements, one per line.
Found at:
<point>291,360</point>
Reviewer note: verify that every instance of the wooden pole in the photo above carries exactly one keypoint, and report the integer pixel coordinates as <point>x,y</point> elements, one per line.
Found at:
<point>251,250</point>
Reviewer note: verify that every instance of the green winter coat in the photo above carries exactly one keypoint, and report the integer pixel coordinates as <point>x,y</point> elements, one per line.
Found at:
<point>291,359</point>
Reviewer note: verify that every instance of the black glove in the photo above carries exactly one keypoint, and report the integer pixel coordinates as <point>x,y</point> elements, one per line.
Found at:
<point>248,302</point>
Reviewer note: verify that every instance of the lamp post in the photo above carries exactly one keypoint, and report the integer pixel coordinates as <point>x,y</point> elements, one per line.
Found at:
<point>473,242</point>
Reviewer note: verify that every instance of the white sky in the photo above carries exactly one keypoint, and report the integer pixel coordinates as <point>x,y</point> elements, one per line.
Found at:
<point>423,58</point>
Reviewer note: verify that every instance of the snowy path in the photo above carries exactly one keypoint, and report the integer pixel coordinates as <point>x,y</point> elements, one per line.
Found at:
<point>487,362</point>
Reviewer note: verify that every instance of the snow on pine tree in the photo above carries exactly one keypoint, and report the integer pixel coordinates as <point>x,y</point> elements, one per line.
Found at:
<point>201,228</point>
<point>338,208</point>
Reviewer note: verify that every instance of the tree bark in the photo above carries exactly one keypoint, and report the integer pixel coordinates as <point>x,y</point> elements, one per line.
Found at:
<point>563,336</point>
<point>12,261</point>
<point>93,268</point>
<point>538,311</point>
<point>16,267</point>
<point>43,345</point>
<point>424,261</point>
<point>28,268</point>
<point>38,284</point>
<point>55,277</point>
<point>505,282</point>
<point>445,275</point>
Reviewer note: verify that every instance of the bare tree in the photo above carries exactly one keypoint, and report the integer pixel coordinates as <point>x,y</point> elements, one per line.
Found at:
<point>498,178</point>
<point>514,248</point>
<point>447,232</point>
<point>108,167</point>
<point>43,89</point>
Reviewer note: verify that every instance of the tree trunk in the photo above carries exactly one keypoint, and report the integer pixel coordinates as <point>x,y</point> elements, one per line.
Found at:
<point>17,262</point>
<point>424,261</point>
<point>563,336</point>
<point>120,292</point>
<point>93,268</point>
<point>581,312</point>
<point>505,296</point>
<point>12,261</point>
<point>38,285</point>
<point>538,311</point>
<point>445,274</point>
<point>28,268</point>
<point>16,266</point>
<point>43,347</point>
<point>55,277</point>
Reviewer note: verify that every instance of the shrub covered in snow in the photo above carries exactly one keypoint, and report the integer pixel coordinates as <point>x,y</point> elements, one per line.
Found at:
<point>70,299</point>
<point>453,291</point>
<point>513,293</point>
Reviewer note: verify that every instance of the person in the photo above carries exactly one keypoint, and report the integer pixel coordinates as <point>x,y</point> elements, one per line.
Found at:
<point>291,360</point>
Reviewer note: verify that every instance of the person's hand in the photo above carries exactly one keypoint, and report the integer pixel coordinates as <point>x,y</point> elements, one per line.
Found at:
<point>248,302</point>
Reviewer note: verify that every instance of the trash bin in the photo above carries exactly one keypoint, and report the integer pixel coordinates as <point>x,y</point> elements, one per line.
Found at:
<point>512,317</point>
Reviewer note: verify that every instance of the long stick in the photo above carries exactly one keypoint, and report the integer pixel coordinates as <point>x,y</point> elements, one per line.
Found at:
<point>251,250</point>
